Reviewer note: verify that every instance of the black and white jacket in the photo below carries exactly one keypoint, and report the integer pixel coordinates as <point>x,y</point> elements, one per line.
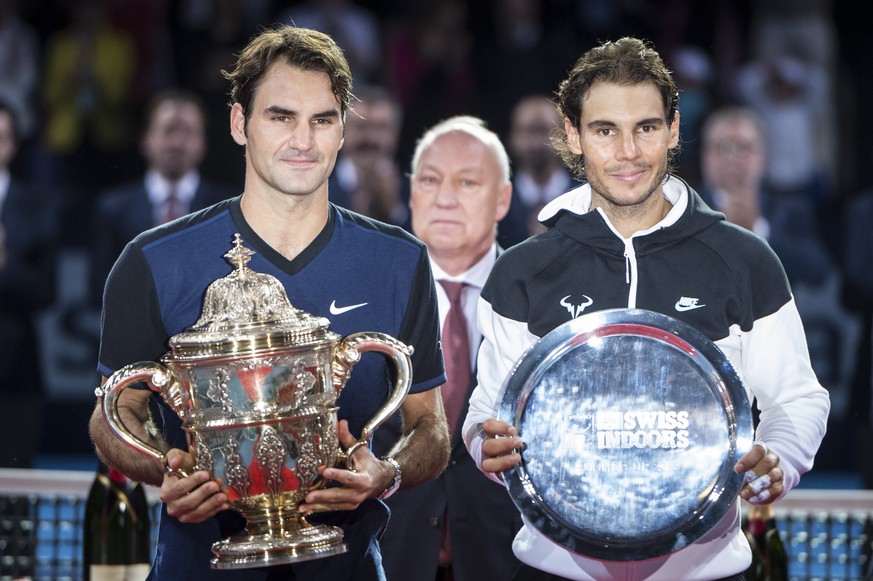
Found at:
<point>694,266</point>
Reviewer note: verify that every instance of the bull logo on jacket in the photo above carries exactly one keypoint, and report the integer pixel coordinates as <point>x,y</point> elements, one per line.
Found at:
<point>576,309</point>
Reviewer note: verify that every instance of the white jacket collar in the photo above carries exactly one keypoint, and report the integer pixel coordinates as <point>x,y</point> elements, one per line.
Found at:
<point>578,201</point>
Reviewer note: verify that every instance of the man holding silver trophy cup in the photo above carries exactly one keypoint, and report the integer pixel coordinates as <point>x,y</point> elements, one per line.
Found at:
<point>623,348</point>
<point>263,409</point>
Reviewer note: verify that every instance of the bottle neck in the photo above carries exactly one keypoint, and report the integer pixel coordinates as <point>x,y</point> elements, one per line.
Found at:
<point>764,512</point>
<point>117,477</point>
<point>757,526</point>
<point>758,516</point>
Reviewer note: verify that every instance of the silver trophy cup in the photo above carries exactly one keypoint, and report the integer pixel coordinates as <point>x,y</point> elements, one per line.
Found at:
<point>255,383</point>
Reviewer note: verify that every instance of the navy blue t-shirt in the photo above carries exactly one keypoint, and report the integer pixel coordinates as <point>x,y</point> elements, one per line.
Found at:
<point>156,289</point>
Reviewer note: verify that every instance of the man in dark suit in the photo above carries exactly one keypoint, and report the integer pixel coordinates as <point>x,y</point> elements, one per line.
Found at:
<point>367,178</point>
<point>733,161</point>
<point>539,176</point>
<point>173,145</point>
<point>27,285</point>
<point>461,525</point>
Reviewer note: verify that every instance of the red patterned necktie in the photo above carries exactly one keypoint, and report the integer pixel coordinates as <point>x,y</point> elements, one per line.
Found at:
<point>456,353</point>
<point>172,205</point>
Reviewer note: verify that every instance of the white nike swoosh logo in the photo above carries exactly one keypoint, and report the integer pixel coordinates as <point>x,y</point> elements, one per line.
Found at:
<point>682,308</point>
<point>335,310</point>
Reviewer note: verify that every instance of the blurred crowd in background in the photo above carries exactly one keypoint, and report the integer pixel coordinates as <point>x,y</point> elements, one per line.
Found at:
<point>105,104</point>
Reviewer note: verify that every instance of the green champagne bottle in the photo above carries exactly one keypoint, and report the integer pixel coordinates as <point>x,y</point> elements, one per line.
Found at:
<point>777,555</point>
<point>761,527</point>
<point>117,535</point>
<point>755,572</point>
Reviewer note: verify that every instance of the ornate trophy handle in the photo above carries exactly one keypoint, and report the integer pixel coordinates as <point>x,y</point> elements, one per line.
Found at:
<point>348,353</point>
<point>158,378</point>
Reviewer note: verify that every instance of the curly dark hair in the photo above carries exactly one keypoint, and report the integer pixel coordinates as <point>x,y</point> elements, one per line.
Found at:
<point>301,48</point>
<point>626,61</point>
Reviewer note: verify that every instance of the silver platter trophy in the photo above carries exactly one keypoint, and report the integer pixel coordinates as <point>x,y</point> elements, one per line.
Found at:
<point>632,423</point>
<point>255,382</point>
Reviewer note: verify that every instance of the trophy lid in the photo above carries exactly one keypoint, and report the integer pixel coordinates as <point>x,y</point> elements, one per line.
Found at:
<point>247,310</point>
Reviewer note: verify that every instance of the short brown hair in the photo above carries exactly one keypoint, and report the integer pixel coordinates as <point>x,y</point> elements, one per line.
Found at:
<point>301,48</point>
<point>627,61</point>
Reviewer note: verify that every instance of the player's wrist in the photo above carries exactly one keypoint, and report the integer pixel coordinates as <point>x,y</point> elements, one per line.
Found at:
<point>395,483</point>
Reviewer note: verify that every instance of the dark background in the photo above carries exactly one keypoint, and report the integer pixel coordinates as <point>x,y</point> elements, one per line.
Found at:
<point>485,79</point>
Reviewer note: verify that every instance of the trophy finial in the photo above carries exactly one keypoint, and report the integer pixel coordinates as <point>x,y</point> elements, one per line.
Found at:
<point>239,255</point>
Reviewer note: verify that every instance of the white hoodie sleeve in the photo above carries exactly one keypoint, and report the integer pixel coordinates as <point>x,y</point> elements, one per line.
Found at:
<point>773,361</point>
<point>504,341</point>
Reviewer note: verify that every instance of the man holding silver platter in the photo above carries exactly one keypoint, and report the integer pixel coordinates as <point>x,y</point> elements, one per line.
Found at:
<point>637,244</point>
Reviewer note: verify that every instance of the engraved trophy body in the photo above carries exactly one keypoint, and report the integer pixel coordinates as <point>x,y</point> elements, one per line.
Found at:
<point>255,383</point>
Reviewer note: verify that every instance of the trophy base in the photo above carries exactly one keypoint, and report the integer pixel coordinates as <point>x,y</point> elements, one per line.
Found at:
<point>304,544</point>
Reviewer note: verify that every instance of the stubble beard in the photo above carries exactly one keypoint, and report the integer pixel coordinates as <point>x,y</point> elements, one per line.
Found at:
<point>633,206</point>
<point>295,184</point>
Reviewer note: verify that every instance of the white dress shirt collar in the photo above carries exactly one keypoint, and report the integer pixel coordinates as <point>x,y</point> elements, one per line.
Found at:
<point>346,173</point>
<point>533,194</point>
<point>158,187</point>
<point>475,276</point>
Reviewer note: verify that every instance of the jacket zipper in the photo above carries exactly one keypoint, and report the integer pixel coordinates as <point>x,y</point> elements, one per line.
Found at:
<point>630,262</point>
<point>630,269</point>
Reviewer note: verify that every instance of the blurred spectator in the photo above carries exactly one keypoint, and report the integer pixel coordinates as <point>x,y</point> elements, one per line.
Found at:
<point>27,286</point>
<point>802,27</point>
<point>518,54</point>
<point>354,28</point>
<point>206,35</point>
<point>733,164</point>
<point>19,66</point>
<point>87,87</point>
<point>367,178</point>
<point>430,69</point>
<point>791,97</point>
<point>733,159</point>
<point>858,296</point>
<point>804,32</point>
<point>539,176</point>
<point>173,145</point>
<point>777,23</point>
<point>694,74</point>
<point>146,22</point>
